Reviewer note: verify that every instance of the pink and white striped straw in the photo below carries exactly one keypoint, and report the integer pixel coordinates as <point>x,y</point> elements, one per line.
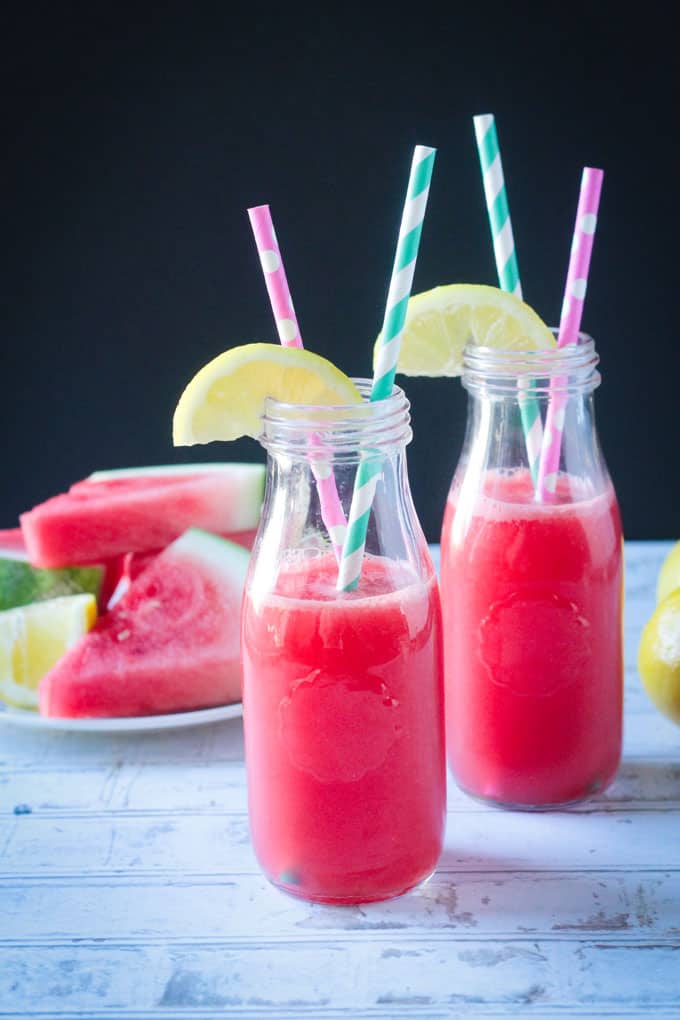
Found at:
<point>289,334</point>
<point>570,323</point>
<point>275,276</point>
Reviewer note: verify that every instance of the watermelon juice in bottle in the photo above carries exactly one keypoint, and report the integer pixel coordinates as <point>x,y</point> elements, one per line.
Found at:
<point>532,592</point>
<point>343,691</point>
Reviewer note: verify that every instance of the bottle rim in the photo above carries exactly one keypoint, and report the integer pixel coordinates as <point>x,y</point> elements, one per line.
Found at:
<point>572,368</point>
<point>341,429</point>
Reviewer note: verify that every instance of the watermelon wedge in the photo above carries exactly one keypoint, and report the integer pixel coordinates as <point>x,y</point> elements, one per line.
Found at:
<point>170,645</point>
<point>139,509</point>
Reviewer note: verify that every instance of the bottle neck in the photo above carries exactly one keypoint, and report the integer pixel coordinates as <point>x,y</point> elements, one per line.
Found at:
<point>506,374</point>
<point>337,434</point>
<point>314,454</point>
<point>514,399</point>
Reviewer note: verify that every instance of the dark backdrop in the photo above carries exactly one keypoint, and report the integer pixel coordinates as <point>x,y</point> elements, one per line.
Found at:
<point>134,142</point>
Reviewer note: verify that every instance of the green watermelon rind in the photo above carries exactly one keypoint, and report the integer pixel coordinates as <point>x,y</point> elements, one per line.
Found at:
<point>21,584</point>
<point>168,470</point>
<point>211,552</point>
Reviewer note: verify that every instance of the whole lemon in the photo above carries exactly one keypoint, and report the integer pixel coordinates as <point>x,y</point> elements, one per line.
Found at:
<point>669,575</point>
<point>659,656</point>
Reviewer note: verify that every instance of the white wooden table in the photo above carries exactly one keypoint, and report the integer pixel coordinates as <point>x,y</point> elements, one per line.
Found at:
<point>128,888</point>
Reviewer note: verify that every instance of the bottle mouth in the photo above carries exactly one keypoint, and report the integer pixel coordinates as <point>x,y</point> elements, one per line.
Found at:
<point>572,368</point>
<point>343,430</point>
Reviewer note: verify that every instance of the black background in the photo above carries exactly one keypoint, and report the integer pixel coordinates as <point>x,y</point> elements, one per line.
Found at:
<point>136,138</point>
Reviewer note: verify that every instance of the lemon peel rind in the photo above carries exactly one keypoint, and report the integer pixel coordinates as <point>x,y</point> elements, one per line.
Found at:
<point>295,365</point>
<point>440,353</point>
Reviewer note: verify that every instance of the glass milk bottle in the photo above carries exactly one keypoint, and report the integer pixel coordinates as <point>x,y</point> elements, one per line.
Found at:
<point>532,591</point>
<point>343,691</point>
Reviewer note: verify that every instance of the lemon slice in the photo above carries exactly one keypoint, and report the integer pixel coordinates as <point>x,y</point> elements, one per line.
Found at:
<point>34,637</point>
<point>226,398</point>
<point>441,321</point>
<point>659,656</point>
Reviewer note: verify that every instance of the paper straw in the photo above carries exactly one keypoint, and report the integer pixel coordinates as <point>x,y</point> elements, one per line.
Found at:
<point>497,203</point>
<point>387,356</point>
<point>506,262</point>
<point>570,323</point>
<point>289,334</point>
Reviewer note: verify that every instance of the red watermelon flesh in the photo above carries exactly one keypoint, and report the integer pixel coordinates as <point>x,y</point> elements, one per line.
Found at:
<point>140,509</point>
<point>134,563</point>
<point>113,571</point>
<point>171,644</point>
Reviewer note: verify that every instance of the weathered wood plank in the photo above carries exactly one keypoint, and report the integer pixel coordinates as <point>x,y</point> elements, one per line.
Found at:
<point>202,788</point>
<point>610,905</point>
<point>297,1013</point>
<point>391,1012</point>
<point>219,844</point>
<point>221,741</point>
<point>123,787</point>
<point>347,974</point>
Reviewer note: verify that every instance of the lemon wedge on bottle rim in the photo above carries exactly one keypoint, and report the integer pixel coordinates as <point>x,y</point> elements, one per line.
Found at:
<point>226,398</point>
<point>440,322</point>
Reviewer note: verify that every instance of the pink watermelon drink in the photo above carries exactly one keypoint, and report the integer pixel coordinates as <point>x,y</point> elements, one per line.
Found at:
<point>532,608</point>
<point>343,714</point>
<point>342,659</point>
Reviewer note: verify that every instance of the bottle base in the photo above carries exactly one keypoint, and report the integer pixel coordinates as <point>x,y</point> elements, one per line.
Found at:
<point>509,804</point>
<point>353,899</point>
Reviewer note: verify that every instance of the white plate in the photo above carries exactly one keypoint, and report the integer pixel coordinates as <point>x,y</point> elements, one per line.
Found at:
<point>33,720</point>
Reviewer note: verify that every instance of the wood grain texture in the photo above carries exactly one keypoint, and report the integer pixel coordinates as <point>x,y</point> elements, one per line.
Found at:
<point>128,888</point>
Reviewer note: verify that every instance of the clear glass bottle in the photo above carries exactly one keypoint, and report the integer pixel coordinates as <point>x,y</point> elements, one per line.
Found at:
<point>532,591</point>
<point>343,691</point>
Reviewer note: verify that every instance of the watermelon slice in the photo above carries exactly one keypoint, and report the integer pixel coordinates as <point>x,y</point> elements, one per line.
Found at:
<point>171,644</point>
<point>139,509</point>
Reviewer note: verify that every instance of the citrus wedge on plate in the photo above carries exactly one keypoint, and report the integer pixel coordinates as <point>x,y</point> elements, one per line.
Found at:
<point>226,398</point>
<point>34,637</point>
<point>440,322</point>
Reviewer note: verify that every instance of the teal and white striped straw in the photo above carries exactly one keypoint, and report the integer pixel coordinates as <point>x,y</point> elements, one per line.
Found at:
<point>497,203</point>
<point>506,261</point>
<point>387,355</point>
